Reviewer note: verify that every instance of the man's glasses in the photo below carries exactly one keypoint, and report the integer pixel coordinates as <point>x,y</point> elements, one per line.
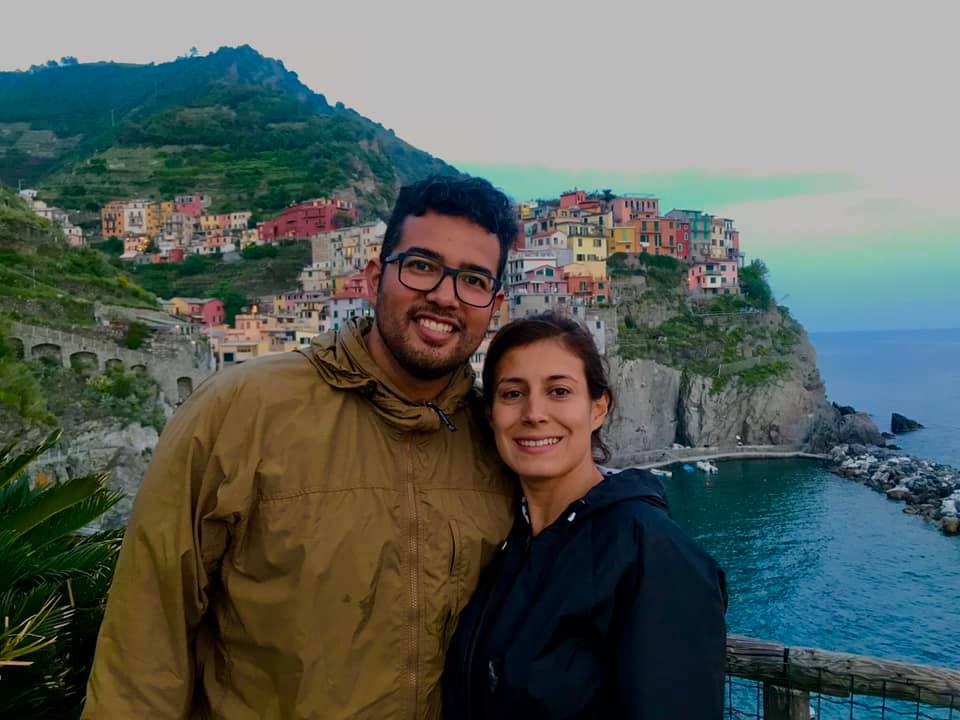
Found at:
<point>425,275</point>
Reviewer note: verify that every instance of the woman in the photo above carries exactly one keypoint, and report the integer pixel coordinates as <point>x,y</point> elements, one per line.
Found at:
<point>598,605</point>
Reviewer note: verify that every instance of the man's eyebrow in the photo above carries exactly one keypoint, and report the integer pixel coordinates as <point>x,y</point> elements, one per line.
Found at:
<point>426,252</point>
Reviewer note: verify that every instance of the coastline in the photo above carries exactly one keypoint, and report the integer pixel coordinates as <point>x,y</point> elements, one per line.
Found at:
<point>929,489</point>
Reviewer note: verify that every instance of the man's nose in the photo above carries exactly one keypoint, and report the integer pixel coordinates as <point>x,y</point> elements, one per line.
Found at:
<point>444,294</point>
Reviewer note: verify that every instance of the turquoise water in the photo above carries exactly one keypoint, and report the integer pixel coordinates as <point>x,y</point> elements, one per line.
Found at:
<point>816,560</point>
<point>819,561</point>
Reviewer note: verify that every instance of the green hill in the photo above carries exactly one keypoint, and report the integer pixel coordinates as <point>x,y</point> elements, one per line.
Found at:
<point>233,124</point>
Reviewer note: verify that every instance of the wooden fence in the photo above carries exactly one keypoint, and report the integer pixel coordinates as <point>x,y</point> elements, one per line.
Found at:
<point>790,674</point>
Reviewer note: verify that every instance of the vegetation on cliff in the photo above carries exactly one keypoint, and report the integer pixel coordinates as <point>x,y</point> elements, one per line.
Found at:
<point>264,272</point>
<point>731,338</point>
<point>54,583</point>
<point>233,124</point>
<point>44,281</point>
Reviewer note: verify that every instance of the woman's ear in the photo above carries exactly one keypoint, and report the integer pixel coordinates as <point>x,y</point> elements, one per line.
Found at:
<point>599,408</point>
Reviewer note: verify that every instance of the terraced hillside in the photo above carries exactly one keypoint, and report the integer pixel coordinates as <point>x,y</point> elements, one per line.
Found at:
<point>233,124</point>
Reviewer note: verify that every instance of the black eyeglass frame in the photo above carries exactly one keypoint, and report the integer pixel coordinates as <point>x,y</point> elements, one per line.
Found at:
<point>452,272</point>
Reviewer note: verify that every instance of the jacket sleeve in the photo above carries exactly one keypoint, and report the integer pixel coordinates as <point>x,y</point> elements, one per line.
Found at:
<point>145,662</point>
<point>671,646</point>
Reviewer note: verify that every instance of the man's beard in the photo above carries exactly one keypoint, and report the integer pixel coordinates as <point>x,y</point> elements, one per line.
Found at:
<point>417,363</point>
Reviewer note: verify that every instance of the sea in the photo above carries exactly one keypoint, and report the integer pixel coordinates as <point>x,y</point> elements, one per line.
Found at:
<point>816,560</point>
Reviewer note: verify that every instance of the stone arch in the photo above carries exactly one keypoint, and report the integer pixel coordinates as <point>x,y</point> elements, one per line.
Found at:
<point>45,351</point>
<point>84,362</point>
<point>139,368</point>
<point>184,388</point>
<point>113,364</point>
<point>16,345</point>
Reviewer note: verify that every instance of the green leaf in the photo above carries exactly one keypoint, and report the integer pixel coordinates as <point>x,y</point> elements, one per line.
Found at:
<point>54,500</point>
<point>11,468</point>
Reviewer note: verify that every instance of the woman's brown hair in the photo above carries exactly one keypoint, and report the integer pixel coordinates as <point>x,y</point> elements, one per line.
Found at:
<point>575,337</point>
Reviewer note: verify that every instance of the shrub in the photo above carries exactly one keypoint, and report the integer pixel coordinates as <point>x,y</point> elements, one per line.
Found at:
<point>55,584</point>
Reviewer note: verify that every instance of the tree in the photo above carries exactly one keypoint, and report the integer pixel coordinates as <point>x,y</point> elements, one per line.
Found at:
<point>753,283</point>
<point>68,60</point>
<point>234,301</point>
<point>55,582</point>
<point>608,195</point>
<point>112,246</point>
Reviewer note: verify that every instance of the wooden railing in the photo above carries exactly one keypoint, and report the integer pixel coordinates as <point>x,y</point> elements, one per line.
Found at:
<point>790,674</point>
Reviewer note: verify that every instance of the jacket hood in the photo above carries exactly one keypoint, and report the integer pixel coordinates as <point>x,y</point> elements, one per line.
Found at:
<point>629,484</point>
<point>616,487</point>
<point>342,360</point>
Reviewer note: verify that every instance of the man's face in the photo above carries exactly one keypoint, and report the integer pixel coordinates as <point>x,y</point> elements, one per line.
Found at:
<point>431,334</point>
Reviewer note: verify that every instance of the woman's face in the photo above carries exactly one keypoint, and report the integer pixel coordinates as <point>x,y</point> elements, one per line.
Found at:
<point>542,414</point>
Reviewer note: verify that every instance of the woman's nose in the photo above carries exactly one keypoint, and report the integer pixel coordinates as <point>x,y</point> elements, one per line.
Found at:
<point>533,411</point>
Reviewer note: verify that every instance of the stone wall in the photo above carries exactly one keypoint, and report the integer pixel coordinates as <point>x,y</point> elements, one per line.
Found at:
<point>177,363</point>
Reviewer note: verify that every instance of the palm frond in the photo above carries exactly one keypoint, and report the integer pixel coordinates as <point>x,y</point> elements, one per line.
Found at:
<point>11,467</point>
<point>73,518</point>
<point>53,500</point>
<point>35,632</point>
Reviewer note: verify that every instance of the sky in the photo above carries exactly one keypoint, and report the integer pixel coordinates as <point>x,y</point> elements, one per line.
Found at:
<point>829,131</point>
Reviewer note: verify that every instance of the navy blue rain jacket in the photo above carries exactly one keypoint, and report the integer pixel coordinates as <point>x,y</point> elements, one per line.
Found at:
<point>611,612</point>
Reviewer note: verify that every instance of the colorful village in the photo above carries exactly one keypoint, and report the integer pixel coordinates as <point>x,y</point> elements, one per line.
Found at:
<point>558,262</point>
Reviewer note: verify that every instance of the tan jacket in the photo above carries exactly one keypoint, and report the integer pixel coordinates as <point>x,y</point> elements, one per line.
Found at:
<point>301,547</point>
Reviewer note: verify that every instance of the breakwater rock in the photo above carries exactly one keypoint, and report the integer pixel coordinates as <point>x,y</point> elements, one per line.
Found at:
<point>929,489</point>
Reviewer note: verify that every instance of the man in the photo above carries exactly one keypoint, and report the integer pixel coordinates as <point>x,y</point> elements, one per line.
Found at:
<point>312,523</point>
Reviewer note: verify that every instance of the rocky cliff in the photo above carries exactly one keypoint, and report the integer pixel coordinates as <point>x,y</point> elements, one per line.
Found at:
<point>710,376</point>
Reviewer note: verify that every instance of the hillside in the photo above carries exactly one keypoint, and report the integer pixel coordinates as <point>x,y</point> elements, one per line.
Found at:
<point>44,281</point>
<point>233,124</point>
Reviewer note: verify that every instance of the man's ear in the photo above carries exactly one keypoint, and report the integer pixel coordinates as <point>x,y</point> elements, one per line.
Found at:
<point>497,301</point>
<point>373,273</point>
<point>599,410</point>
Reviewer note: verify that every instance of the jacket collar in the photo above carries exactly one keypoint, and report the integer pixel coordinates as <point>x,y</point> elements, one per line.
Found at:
<point>343,361</point>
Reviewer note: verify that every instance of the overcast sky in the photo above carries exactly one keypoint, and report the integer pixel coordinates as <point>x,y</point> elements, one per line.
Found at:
<point>862,95</point>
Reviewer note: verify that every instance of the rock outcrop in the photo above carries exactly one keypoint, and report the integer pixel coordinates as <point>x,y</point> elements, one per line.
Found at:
<point>122,450</point>
<point>929,489</point>
<point>658,405</point>
<point>900,424</point>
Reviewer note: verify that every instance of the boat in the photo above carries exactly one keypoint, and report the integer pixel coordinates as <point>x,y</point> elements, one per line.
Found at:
<point>688,467</point>
<point>707,467</point>
<point>661,473</point>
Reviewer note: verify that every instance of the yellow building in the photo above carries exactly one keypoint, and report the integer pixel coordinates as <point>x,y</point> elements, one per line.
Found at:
<point>623,239</point>
<point>153,222</point>
<point>586,242</point>
<point>210,223</point>
<point>594,268</point>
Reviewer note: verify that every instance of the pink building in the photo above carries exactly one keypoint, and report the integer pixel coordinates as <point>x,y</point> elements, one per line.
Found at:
<point>206,311</point>
<point>682,249</point>
<point>545,279</point>
<point>572,197</point>
<point>634,207</point>
<point>714,278</point>
<point>587,289</point>
<point>308,219</point>
<point>192,205</point>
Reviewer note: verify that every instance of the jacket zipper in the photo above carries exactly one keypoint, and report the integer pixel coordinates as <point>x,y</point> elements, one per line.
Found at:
<point>414,568</point>
<point>472,647</point>
<point>444,418</point>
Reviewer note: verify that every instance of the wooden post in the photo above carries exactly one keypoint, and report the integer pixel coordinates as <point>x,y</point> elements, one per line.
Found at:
<point>783,704</point>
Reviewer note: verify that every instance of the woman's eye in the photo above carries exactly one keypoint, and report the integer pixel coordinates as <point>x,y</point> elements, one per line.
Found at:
<point>560,391</point>
<point>510,394</point>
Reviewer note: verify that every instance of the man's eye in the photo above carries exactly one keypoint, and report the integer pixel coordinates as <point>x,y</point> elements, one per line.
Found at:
<point>420,265</point>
